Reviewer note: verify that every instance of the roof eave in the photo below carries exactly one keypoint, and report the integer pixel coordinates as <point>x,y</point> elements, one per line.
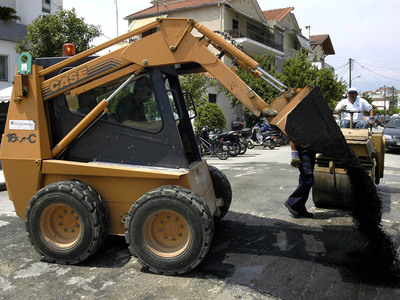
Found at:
<point>131,17</point>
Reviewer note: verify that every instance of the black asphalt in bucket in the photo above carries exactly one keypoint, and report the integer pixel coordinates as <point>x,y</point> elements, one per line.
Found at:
<point>311,125</point>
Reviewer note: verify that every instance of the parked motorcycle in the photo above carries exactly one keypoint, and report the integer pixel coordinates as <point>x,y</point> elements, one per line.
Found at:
<point>232,138</point>
<point>260,136</point>
<point>280,137</point>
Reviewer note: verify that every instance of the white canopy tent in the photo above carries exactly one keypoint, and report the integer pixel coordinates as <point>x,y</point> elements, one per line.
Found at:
<point>5,94</point>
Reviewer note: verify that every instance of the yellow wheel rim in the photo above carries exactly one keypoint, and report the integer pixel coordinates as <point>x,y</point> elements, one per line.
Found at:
<point>60,226</point>
<point>166,233</point>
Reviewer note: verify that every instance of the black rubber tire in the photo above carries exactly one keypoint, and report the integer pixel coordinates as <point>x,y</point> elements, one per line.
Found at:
<point>278,142</point>
<point>234,149</point>
<point>222,189</point>
<point>243,148</point>
<point>67,222</point>
<point>158,247</point>
<point>250,144</point>
<point>270,144</point>
<point>222,150</point>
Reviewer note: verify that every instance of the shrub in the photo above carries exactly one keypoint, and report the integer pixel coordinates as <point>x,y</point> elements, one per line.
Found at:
<point>209,114</point>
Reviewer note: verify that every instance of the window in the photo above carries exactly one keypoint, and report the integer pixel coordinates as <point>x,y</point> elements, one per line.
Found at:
<point>235,24</point>
<point>3,68</point>
<point>149,32</point>
<point>134,106</point>
<point>46,6</point>
<point>212,98</point>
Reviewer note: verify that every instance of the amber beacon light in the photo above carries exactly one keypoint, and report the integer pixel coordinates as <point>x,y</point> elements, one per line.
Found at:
<point>68,49</point>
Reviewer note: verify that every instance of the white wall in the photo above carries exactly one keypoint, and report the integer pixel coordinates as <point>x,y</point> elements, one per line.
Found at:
<point>208,16</point>
<point>28,10</point>
<point>7,49</point>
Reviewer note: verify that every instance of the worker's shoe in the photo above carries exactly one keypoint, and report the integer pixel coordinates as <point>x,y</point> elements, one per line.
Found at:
<point>291,210</point>
<point>298,213</point>
<point>306,214</point>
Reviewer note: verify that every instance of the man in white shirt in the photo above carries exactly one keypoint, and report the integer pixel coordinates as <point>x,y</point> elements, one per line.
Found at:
<point>354,103</point>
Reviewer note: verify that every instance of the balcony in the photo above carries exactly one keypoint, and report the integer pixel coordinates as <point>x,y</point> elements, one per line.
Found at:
<point>252,37</point>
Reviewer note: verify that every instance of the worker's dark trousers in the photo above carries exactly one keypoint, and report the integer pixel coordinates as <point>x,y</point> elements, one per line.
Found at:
<point>299,197</point>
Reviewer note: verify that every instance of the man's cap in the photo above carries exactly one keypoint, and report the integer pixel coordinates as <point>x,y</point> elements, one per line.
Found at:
<point>352,90</point>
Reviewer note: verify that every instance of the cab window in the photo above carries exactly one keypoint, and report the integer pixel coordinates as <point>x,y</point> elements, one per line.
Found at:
<point>134,106</point>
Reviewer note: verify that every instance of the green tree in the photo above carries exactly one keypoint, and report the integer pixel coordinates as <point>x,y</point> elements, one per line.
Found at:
<point>47,34</point>
<point>298,72</point>
<point>367,97</point>
<point>197,85</point>
<point>262,88</point>
<point>332,88</point>
<point>8,14</point>
<point>209,114</point>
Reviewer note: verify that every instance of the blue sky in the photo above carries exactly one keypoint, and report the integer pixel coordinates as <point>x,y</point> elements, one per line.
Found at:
<point>366,31</point>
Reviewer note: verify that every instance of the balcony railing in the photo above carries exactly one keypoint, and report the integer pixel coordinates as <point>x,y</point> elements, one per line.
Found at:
<point>251,34</point>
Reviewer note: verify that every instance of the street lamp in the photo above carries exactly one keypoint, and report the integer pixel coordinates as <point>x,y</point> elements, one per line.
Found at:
<point>351,79</point>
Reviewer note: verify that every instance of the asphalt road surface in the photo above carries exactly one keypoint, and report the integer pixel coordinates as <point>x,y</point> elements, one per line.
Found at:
<point>259,251</point>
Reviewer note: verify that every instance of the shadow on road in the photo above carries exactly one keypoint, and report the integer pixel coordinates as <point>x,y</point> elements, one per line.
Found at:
<point>286,260</point>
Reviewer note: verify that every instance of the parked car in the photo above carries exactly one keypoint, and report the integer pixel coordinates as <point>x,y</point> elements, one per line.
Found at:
<point>391,132</point>
<point>383,120</point>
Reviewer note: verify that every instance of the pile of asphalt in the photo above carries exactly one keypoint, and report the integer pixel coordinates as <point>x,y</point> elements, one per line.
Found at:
<point>311,125</point>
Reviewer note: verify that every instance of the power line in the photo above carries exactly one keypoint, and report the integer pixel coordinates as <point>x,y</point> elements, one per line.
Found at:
<point>375,72</point>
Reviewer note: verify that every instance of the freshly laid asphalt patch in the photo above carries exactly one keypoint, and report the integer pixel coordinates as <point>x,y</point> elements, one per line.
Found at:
<point>289,261</point>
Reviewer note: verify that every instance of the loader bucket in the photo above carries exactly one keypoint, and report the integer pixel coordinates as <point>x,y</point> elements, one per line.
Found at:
<point>309,123</point>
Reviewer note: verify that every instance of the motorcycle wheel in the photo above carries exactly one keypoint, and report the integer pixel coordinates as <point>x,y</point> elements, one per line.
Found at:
<point>222,150</point>
<point>234,149</point>
<point>243,148</point>
<point>270,144</point>
<point>250,144</point>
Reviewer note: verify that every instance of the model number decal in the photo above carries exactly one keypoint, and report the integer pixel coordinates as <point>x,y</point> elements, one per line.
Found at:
<point>21,125</point>
<point>14,138</point>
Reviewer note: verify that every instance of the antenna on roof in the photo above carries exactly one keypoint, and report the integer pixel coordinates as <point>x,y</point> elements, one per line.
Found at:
<point>165,3</point>
<point>157,3</point>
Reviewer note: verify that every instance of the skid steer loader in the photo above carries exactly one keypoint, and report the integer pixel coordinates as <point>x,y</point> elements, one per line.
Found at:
<point>104,145</point>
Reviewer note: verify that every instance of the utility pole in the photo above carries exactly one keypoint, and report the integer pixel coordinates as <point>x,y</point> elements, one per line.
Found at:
<point>350,67</point>
<point>392,101</point>
<point>116,13</point>
<point>384,99</point>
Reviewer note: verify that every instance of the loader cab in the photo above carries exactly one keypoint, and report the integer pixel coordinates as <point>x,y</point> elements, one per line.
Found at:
<point>147,123</point>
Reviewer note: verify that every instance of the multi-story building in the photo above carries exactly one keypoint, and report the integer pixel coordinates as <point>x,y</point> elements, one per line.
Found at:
<point>286,30</point>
